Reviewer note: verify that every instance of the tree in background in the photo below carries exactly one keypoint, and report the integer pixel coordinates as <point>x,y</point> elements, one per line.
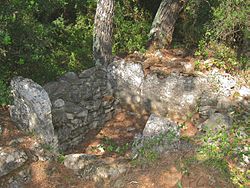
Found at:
<point>103,31</point>
<point>163,25</point>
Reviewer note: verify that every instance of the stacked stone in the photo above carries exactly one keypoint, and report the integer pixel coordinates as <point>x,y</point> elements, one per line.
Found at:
<point>80,103</point>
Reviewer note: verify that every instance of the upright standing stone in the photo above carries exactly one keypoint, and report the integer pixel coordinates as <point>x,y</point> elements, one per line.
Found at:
<point>31,110</point>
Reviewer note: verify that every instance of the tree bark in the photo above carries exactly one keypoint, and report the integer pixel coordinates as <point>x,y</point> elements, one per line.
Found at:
<point>103,31</point>
<point>162,29</point>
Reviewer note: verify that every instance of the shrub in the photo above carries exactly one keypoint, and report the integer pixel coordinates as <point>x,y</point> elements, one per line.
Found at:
<point>42,42</point>
<point>132,25</point>
<point>218,28</point>
<point>4,94</point>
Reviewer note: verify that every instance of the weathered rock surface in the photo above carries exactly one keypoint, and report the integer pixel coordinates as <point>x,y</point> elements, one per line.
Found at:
<point>19,180</point>
<point>217,122</point>
<point>173,93</point>
<point>11,159</point>
<point>159,135</point>
<point>91,167</point>
<point>161,95</point>
<point>157,125</point>
<point>32,109</point>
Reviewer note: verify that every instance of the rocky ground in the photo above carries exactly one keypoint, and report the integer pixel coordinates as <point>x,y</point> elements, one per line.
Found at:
<point>172,169</point>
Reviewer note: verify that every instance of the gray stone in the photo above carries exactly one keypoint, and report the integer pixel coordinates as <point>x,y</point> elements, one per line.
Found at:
<point>70,116</point>
<point>82,114</point>
<point>79,161</point>
<point>87,73</point>
<point>11,159</point>
<point>244,92</point>
<point>91,167</point>
<point>225,82</point>
<point>159,135</point>
<point>156,125</point>
<point>72,108</point>
<point>217,122</point>
<point>51,87</point>
<point>130,74</point>
<point>70,77</point>
<point>20,179</point>
<point>32,109</point>
<point>57,90</point>
<point>75,94</point>
<point>59,103</point>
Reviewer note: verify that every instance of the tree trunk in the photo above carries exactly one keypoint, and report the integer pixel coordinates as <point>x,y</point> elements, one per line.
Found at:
<point>163,25</point>
<point>103,31</point>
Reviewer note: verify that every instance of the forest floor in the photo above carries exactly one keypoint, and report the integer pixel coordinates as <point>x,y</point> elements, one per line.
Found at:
<point>173,169</point>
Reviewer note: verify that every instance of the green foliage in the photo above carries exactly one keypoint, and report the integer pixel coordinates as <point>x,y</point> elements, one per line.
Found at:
<point>42,42</point>
<point>218,28</point>
<point>4,94</point>
<point>192,23</point>
<point>60,158</point>
<point>110,145</point>
<point>131,27</point>
<point>230,21</point>
<point>227,150</point>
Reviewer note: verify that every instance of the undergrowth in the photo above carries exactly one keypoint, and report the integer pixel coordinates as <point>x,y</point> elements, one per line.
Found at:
<point>228,150</point>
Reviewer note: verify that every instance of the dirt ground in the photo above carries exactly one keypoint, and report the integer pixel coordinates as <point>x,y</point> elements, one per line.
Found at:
<point>170,171</point>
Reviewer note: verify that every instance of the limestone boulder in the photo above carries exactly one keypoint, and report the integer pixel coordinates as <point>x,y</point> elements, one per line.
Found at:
<point>11,159</point>
<point>31,110</point>
<point>157,125</point>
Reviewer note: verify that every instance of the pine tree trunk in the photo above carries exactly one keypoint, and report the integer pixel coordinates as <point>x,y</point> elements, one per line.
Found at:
<point>103,31</point>
<point>163,25</point>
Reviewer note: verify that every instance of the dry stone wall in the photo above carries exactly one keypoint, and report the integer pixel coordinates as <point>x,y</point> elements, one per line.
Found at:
<point>80,103</point>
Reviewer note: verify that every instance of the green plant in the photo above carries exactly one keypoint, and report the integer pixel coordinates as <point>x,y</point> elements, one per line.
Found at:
<point>217,29</point>
<point>4,94</point>
<point>227,150</point>
<point>42,42</point>
<point>131,27</point>
<point>110,145</point>
<point>60,158</point>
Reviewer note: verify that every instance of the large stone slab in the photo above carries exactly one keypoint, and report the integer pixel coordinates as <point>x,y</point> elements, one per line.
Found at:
<point>11,159</point>
<point>31,110</point>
